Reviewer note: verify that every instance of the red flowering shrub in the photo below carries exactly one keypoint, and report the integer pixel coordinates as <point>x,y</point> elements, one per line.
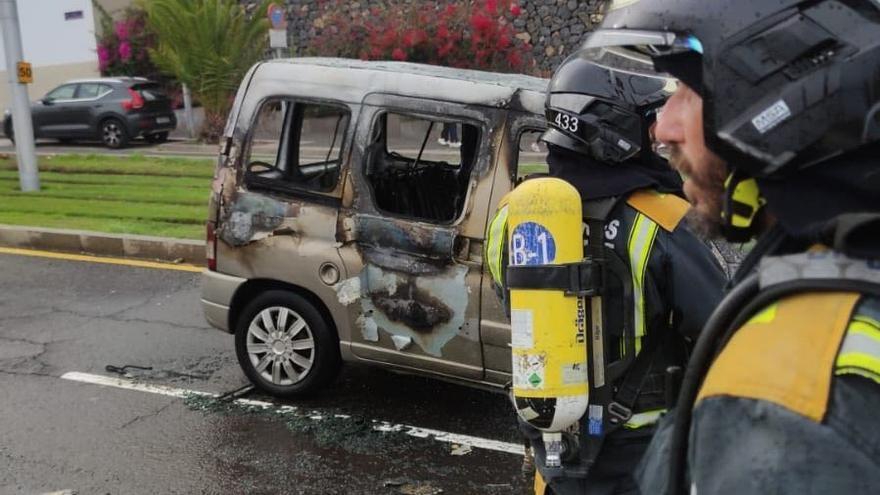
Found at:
<point>475,35</point>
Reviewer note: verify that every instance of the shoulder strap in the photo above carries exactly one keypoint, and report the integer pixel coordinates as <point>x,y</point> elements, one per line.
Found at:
<point>666,210</point>
<point>600,208</point>
<point>798,338</point>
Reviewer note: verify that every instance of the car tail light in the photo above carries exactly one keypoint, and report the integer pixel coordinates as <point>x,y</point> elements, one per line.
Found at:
<point>135,102</point>
<point>211,247</point>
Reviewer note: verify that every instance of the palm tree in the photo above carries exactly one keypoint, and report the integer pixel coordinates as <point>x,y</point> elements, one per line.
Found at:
<point>208,45</point>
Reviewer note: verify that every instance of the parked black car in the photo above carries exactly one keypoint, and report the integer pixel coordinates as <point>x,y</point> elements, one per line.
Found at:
<point>111,109</point>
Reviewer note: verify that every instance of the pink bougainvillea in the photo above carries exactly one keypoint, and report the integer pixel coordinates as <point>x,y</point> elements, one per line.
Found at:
<point>125,51</point>
<point>123,44</point>
<point>121,29</point>
<point>104,57</point>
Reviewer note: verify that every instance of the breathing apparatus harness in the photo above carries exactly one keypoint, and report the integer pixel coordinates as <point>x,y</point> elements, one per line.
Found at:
<point>614,387</point>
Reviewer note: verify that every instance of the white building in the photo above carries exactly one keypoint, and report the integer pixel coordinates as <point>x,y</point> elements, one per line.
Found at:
<point>58,37</point>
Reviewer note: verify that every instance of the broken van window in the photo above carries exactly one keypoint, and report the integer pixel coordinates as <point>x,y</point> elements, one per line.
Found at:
<point>297,144</point>
<point>532,154</point>
<point>419,167</point>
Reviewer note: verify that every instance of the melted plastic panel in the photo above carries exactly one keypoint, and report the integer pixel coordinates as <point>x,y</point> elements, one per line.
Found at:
<point>429,310</point>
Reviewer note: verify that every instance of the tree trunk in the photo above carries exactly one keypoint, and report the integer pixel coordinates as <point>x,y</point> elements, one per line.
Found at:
<point>212,127</point>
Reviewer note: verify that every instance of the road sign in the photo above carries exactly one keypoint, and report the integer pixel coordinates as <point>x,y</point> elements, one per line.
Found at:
<point>25,73</point>
<point>277,16</point>
<point>277,38</point>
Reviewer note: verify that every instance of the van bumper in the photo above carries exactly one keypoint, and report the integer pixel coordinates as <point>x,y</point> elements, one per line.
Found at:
<point>217,293</point>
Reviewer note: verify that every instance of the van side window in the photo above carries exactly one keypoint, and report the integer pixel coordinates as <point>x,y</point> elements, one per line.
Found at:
<point>531,154</point>
<point>412,174</point>
<point>296,145</point>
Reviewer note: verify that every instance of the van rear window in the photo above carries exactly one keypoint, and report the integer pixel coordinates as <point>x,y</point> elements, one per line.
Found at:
<point>420,168</point>
<point>297,144</point>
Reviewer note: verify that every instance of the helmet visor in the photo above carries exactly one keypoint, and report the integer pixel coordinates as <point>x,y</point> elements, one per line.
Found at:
<point>644,44</point>
<point>654,53</point>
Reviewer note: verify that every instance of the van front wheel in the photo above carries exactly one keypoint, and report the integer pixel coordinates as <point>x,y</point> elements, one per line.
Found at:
<point>284,345</point>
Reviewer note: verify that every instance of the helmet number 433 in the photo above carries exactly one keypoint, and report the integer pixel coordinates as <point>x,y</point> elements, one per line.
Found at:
<point>566,122</point>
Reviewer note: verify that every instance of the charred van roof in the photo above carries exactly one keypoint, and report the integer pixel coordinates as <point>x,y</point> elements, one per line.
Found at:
<point>361,77</point>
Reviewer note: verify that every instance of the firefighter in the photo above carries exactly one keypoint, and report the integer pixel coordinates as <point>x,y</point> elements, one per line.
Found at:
<point>598,140</point>
<point>776,123</point>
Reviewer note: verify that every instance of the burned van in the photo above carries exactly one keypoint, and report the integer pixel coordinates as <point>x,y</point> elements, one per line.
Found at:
<point>347,218</point>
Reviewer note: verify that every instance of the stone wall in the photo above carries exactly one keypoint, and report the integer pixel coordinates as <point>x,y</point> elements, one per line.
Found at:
<point>553,27</point>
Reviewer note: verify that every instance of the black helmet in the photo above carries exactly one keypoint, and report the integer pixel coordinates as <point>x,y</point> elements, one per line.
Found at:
<point>602,112</point>
<point>783,82</point>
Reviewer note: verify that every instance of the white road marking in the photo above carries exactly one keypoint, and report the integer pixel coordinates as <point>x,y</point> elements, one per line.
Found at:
<point>383,426</point>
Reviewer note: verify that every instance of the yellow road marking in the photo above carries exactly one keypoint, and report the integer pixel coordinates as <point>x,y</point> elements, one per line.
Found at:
<point>101,259</point>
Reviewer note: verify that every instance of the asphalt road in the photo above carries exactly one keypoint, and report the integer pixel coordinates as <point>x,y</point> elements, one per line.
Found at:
<point>58,317</point>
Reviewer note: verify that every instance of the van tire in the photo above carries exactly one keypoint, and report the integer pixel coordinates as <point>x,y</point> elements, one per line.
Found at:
<point>259,346</point>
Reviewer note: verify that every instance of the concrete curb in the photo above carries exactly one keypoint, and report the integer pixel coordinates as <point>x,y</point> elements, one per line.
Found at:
<point>104,244</point>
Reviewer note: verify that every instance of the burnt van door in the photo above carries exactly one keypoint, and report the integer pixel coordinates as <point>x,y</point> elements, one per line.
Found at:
<point>414,229</point>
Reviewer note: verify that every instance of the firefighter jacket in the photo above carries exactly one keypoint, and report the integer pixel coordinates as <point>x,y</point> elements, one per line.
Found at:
<point>676,281</point>
<point>789,405</point>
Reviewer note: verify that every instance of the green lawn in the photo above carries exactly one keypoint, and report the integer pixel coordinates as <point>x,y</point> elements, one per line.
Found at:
<point>132,195</point>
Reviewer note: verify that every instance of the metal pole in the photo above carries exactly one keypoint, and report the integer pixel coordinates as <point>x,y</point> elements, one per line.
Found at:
<point>188,112</point>
<point>22,125</point>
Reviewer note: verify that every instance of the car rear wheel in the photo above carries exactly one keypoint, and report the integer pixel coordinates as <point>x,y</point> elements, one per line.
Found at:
<point>113,134</point>
<point>284,345</point>
<point>159,137</point>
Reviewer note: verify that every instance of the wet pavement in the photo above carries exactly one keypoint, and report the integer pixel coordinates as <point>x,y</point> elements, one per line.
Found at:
<point>59,316</point>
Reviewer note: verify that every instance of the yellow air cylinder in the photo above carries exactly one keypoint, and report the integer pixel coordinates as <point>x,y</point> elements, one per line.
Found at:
<point>548,327</point>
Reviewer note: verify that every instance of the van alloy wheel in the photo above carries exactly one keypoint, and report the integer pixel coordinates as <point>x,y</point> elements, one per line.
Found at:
<point>280,345</point>
<point>285,344</point>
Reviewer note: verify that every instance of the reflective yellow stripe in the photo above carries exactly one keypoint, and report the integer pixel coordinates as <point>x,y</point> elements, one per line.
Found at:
<point>641,241</point>
<point>860,351</point>
<point>643,419</point>
<point>867,320</point>
<point>858,371</point>
<point>495,240</point>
